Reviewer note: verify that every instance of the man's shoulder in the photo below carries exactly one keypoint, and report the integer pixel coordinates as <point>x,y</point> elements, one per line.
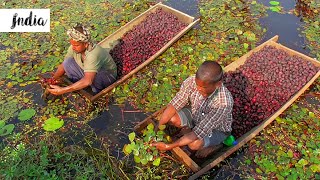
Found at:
<point>96,49</point>
<point>190,80</point>
<point>224,96</point>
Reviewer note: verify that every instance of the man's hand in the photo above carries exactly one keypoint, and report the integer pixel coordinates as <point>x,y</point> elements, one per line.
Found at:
<point>56,90</point>
<point>161,146</point>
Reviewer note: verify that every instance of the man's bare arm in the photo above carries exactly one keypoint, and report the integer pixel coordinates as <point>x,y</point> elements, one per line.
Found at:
<point>167,114</point>
<point>184,140</point>
<point>60,72</point>
<point>82,83</point>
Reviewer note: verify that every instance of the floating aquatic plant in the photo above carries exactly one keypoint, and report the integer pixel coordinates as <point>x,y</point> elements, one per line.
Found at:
<point>7,129</point>
<point>140,147</point>
<point>53,124</point>
<point>275,6</point>
<point>26,114</point>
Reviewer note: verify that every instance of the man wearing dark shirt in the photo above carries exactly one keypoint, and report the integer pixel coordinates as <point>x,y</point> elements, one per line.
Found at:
<point>210,115</point>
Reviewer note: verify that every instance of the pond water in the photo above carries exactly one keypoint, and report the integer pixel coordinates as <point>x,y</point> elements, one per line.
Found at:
<point>287,25</point>
<point>189,7</point>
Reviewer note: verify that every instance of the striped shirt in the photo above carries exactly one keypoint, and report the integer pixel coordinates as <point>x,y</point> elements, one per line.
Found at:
<point>213,112</point>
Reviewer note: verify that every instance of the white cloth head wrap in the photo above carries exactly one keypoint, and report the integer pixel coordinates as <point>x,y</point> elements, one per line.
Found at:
<point>78,36</point>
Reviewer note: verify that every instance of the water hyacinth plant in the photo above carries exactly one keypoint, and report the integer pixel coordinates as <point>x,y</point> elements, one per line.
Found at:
<point>141,147</point>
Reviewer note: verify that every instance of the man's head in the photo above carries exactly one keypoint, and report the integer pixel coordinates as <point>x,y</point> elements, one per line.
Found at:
<point>79,38</point>
<point>208,77</point>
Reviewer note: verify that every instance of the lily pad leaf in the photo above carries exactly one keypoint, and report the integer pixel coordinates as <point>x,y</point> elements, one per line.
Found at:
<point>2,123</point>
<point>53,124</point>
<point>274,3</point>
<point>7,129</point>
<point>26,114</point>
<point>156,162</point>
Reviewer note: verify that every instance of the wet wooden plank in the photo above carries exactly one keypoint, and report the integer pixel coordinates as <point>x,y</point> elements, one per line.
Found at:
<point>182,156</point>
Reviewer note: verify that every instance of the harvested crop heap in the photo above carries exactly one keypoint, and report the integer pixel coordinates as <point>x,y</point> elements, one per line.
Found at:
<point>145,39</point>
<point>263,84</point>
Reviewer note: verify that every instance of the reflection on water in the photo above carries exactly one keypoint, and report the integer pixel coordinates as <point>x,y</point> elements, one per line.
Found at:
<point>114,125</point>
<point>285,25</point>
<point>189,7</point>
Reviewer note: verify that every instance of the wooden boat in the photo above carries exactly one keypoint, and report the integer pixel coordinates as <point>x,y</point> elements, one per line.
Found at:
<point>200,169</point>
<point>106,43</point>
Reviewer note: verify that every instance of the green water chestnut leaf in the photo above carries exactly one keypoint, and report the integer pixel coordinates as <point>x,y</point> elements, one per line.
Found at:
<point>26,114</point>
<point>303,162</point>
<point>127,149</point>
<point>160,138</point>
<point>162,127</point>
<point>155,152</point>
<point>140,146</point>
<point>290,153</point>
<point>53,124</point>
<point>7,129</point>
<point>144,161</point>
<point>294,106</point>
<point>147,138</point>
<point>258,171</point>
<point>156,162</point>
<point>315,168</point>
<point>2,123</point>
<point>311,114</point>
<point>274,3</point>
<point>136,152</point>
<point>149,157</point>
<point>275,8</point>
<point>245,45</point>
<point>132,136</point>
<point>150,126</point>
<point>279,177</point>
<point>137,159</point>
